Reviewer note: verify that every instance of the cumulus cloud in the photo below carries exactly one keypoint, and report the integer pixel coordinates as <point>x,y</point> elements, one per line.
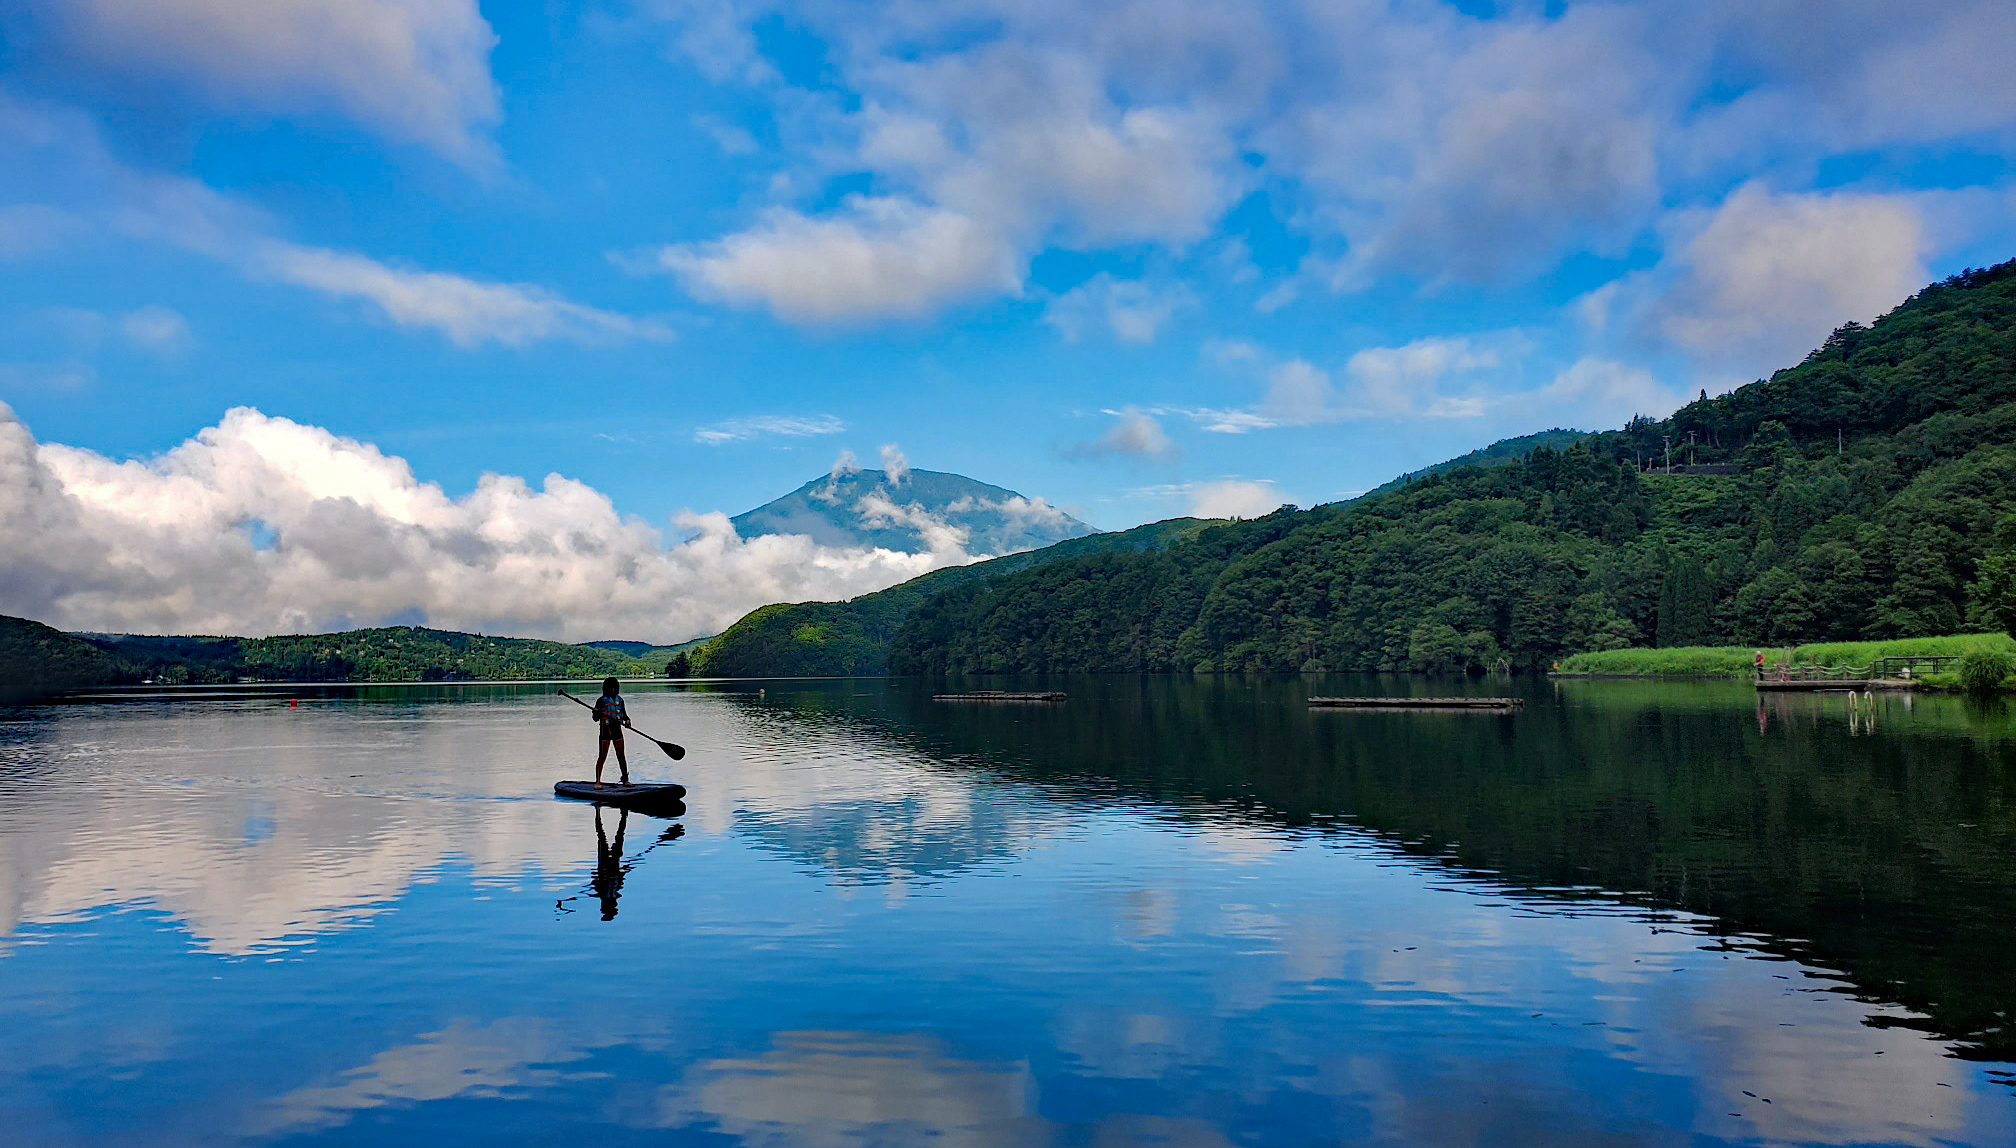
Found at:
<point>1133,310</point>
<point>262,525</point>
<point>990,153</point>
<point>413,70</point>
<point>882,258</point>
<point>1421,141</point>
<point>1134,434</point>
<point>768,426</point>
<point>1763,278</point>
<point>1235,498</point>
<point>1597,392</point>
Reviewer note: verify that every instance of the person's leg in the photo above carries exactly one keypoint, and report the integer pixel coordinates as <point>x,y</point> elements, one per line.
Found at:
<point>622,763</point>
<point>602,755</point>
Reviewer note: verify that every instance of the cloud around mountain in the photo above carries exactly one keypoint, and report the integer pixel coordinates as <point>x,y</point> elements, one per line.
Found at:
<point>261,525</point>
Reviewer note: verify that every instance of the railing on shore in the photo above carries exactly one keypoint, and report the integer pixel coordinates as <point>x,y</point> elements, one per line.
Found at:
<point>1892,668</point>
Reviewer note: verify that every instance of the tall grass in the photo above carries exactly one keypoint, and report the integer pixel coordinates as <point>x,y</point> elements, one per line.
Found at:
<point>1677,661</point>
<point>1736,661</point>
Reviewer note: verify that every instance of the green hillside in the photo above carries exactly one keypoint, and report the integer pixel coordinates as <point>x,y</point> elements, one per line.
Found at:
<point>1500,452</point>
<point>386,654</point>
<point>36,660</point>
<point>812,639</point>
<point>1871,479</point>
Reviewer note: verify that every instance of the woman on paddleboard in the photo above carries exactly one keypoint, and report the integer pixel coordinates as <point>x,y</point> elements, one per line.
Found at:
<point>610,718</point>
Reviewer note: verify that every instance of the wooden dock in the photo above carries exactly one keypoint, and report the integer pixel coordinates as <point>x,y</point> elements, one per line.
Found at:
<point>1499,704</point>
<point>1002,696</point>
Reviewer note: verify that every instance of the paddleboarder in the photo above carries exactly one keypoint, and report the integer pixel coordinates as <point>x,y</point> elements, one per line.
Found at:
<point>610,718</point>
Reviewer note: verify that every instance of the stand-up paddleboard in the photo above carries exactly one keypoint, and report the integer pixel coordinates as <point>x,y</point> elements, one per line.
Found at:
<point>614,794</point>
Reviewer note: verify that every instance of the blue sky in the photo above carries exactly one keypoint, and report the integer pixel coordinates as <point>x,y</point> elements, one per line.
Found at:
<point>1136,258</point>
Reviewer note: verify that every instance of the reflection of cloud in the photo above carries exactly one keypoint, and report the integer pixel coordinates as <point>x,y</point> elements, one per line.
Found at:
<point>829,1089</point>
<point>467,1059</point>
<point>868,812</point>
<point>257,829</point>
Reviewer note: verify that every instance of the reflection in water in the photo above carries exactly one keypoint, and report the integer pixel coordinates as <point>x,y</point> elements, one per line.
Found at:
<point>1172,911</point>
<point>1892,856</point>
<point>835,1089</point>
<point>611,867</point>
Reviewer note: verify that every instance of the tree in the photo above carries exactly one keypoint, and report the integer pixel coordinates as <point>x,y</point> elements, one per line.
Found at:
<point>681,666</point>
<point>1995,589</point>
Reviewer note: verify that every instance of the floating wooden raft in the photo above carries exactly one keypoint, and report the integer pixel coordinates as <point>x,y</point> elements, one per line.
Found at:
<point>1418,703</point>
<point>1002,696</point>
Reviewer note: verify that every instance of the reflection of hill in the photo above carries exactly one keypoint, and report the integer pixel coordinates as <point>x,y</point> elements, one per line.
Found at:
<point>1892,857</point>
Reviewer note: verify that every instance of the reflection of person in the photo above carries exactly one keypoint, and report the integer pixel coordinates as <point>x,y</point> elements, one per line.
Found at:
<point>610,718</point>
<point>608,879</point>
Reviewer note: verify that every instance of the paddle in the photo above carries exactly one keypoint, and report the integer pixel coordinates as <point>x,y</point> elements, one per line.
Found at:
<point>675,752</point>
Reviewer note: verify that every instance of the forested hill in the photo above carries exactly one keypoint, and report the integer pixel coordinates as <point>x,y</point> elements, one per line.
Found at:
<point>35,659</point>
<point>1868,482</point>
<point>1503,451</point>
<point>813,639</point>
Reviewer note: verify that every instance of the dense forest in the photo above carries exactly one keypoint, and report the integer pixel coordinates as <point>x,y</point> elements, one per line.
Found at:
<point>1870,496</point>
<point>839,638</point>
<point>35,659</point>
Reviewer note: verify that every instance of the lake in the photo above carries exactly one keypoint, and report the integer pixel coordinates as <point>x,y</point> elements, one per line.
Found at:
<point>1166,911</point>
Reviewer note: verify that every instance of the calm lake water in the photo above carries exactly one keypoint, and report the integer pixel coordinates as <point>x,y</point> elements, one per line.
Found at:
<point>1165,912</point>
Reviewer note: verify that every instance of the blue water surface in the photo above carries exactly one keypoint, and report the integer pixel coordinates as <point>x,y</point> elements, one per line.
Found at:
<point>1161,913</point>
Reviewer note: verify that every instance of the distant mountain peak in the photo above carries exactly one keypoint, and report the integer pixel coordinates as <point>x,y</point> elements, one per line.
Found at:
<point>913,511</point>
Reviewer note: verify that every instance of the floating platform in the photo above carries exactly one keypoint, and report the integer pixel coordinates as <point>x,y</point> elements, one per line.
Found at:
<point>1498,704</point>
<point>1002,696</point>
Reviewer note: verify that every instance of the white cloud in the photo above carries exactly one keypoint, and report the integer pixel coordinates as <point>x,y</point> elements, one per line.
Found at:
<point>413,70</point>
<point>1435,378</point>
<point>1134,434</point>
<point>1235,498</point>
<point>894,464</point>
<point>882,258</point>
<point>1133,310</point>
<point>1764,277</point>
<point>989,153</point>
<point>768,426</point>
<point>166,545</point>
<point>65,160</point>
<point>469,312</point>
<point>1421,142</point>
<point>156,328</point>
<point>1409,379</point>
<point>732,140</point>
<point>1599,394</point>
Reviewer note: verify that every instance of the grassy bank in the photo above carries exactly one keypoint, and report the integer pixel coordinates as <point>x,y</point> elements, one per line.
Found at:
<point>1735,661</point>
